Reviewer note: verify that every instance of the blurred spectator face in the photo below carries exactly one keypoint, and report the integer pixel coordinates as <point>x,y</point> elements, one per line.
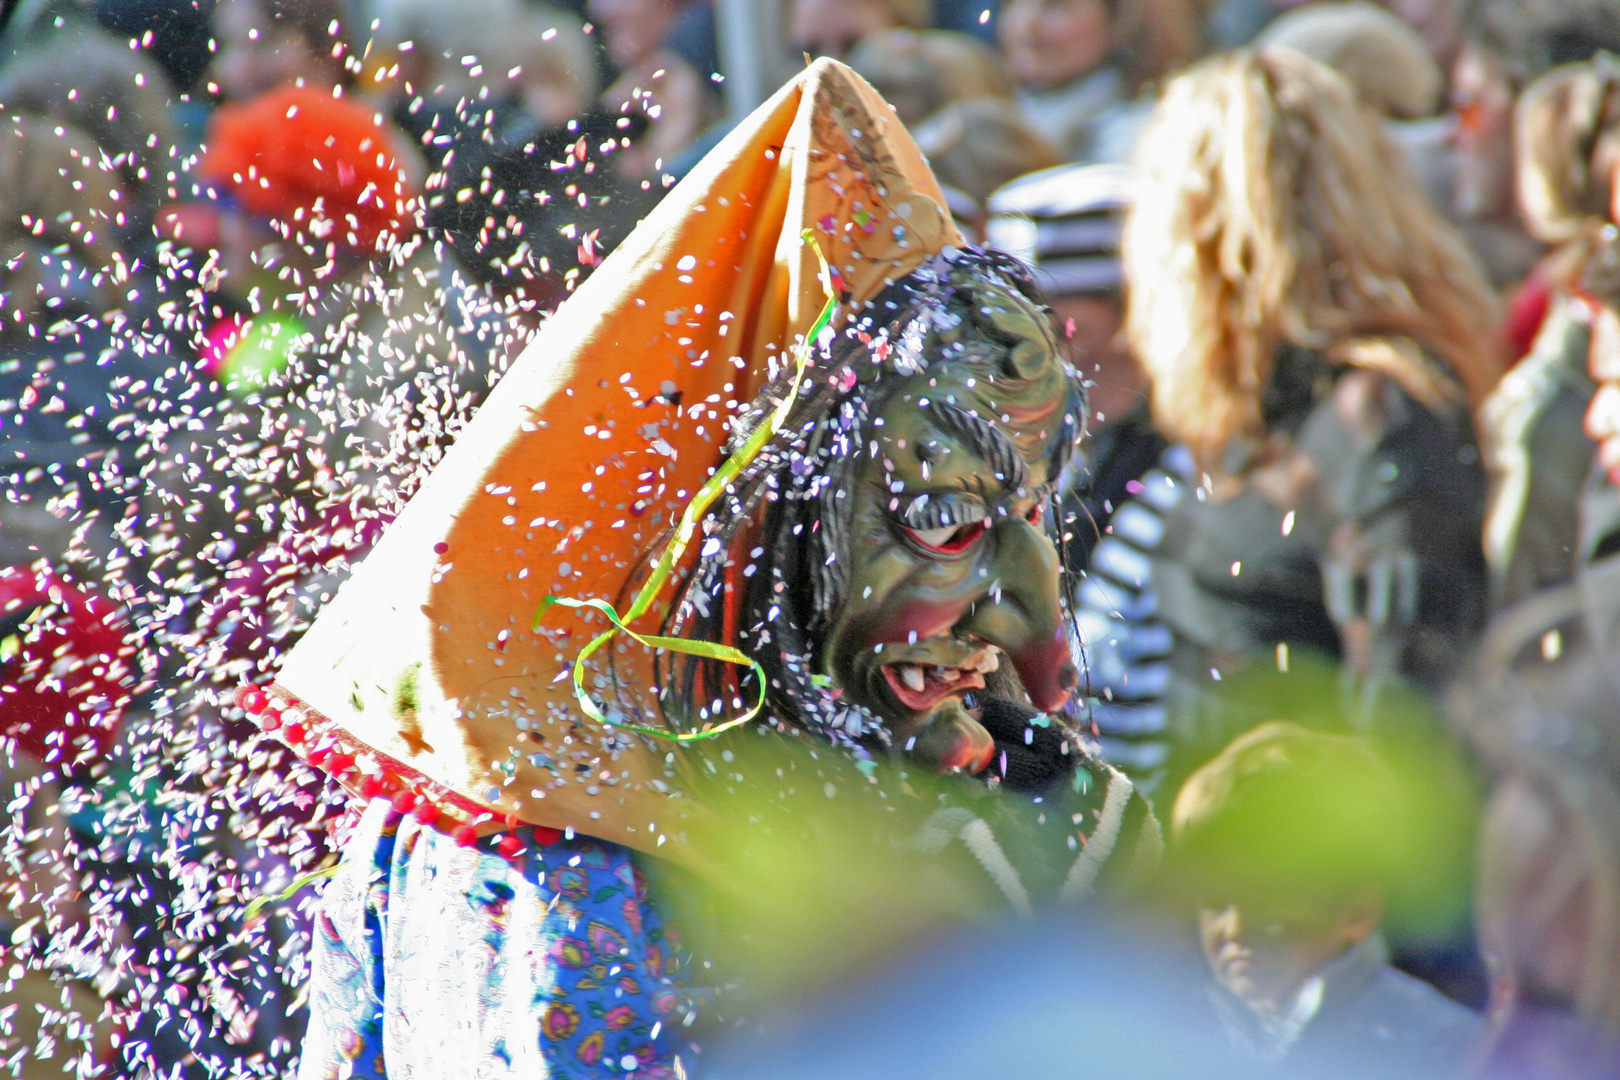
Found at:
<point>1049,43</point>
<point>1482,132</point>
<point>553,98</point>
<point>634,30</point>
<point>1096,348</point>
<point>832,27</point>
<point>1263,954</point>
<point>258,54</point>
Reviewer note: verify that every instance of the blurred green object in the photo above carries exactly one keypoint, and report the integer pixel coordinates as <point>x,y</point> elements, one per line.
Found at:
<point>1309,807</point>
<point>826,867</point>
<point>267,346</point>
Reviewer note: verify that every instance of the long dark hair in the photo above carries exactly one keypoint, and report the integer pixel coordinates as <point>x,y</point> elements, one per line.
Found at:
<point>771,569</point>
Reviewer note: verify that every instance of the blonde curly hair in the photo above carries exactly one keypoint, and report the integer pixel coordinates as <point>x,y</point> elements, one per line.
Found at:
<point>1270,209</point>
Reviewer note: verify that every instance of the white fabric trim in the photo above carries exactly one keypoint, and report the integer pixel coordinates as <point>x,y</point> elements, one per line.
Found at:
<point>1083,874</point>
<point>982,843</point>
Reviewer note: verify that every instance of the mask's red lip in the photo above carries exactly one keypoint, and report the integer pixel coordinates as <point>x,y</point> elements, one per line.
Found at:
<point>935,689</point>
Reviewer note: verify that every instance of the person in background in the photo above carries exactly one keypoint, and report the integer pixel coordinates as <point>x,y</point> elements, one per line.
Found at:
<point>1081,64</point>
<point>1292,841</point>
<point>1544,488</point>
<point>1507,45</point>
<point>1599,293</point>
<point>501,97</point>
<point>89,388</point>
<point>1538,706</point>
<point>57,292</point>
<point>1542,721</point>
<point>85,79</point>
<point>80,281</point>
<point>340,332</point>
<point>264,44</point>
<point>920,72</point>
<point>833,27</point>
<point>655,83</point>
<point>1390,65</point>
<point>1315,338</point>
<point>62,448</point>
<point>1065,223</point>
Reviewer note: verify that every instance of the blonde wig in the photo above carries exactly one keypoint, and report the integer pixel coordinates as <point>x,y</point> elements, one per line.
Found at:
<point>1271,209</point>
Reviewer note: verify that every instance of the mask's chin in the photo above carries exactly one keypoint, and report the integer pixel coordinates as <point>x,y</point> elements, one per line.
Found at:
<point>928,693</point>
<point>952,738</point>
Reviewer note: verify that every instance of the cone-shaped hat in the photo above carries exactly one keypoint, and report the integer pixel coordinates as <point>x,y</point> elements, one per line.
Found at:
<point>422,678</point>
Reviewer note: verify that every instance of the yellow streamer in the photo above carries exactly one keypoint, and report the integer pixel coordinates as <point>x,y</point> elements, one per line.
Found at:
<point>259,903</point>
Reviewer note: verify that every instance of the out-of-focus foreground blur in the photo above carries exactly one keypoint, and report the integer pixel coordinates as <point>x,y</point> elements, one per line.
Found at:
<point>1340,549</point>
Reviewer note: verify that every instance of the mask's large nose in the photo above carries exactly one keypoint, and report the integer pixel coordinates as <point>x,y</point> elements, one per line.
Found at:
<point>1022,613</point>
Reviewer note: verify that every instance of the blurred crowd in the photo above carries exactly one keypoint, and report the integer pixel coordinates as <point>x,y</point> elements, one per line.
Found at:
<point>1344,278</point>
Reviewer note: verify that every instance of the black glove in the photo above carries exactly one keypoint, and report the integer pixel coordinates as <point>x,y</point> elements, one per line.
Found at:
<point>1030,757</point>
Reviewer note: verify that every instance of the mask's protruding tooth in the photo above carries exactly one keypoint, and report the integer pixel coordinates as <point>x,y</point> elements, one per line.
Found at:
<point>912,676</point>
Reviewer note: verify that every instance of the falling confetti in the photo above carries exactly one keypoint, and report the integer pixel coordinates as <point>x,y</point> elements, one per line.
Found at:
<point>213,396</point>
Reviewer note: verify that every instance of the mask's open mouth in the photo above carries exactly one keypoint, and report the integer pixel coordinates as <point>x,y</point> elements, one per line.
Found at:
<point>920,687</point>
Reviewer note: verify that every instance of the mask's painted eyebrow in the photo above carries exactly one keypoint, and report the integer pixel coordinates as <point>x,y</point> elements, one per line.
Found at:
<point>985,440</point>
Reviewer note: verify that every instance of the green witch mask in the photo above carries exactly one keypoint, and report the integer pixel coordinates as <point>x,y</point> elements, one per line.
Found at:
<point>887,560</point>
<point>950,568</point>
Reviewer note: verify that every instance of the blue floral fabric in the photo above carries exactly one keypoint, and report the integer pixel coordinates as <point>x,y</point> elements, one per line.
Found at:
<point>433,960</point>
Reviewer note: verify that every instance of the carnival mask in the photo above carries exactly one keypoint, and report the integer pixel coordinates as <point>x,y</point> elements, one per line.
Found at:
<point>951,572</point>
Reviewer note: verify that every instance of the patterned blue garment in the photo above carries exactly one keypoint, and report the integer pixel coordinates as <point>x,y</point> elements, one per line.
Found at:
<point>436,960</point>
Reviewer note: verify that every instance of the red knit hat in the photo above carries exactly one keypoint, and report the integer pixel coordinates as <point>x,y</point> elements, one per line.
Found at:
<point>323,165</point>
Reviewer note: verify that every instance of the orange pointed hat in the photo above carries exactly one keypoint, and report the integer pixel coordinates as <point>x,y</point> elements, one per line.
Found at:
<point>422,679</point>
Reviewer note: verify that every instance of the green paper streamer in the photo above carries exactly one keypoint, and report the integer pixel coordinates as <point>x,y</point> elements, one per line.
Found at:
<point>259,903</point>
<point>268,345</point>
<point>690,517</point>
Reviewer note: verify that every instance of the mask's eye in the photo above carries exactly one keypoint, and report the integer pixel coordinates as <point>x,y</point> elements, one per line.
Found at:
<point>949,539</point>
